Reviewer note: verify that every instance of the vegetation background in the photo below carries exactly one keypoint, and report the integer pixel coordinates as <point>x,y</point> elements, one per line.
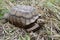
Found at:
<point>50,10</point>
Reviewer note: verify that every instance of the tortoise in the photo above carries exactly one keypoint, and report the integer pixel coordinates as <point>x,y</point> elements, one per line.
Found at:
<point>24,17</point>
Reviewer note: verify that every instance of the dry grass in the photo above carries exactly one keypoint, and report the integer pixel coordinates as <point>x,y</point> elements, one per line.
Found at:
<point>50,31</point>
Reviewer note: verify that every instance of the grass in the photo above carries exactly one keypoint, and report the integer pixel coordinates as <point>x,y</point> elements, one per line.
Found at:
<point>51,13</point>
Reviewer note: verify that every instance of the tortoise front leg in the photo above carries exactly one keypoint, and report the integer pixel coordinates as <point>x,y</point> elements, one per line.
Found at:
<point>33,28</point>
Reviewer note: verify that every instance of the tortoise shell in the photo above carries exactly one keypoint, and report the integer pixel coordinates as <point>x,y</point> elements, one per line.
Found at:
<point>24,15</point>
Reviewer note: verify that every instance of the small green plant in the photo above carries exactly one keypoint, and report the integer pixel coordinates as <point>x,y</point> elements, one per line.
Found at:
<point>3,10</point>
<point>27,37</point>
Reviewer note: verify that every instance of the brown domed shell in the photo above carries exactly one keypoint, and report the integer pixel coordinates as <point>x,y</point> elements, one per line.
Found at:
<point>23,14</point>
